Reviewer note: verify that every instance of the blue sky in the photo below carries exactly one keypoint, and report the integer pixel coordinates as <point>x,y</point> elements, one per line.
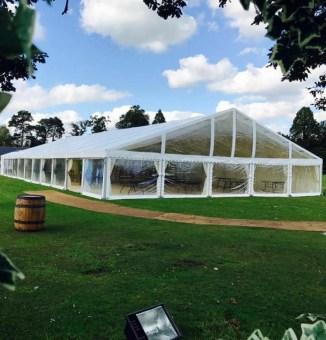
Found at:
<point>108,55</point>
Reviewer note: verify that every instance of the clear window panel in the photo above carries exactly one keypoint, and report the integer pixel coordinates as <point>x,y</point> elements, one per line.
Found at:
<point>270,145</point>
<point>184,178</point>
<point>5,166</point>
<point>134,177</point>
<point>244,140</point>
<point>223,135</point>
<point>9,167</point>
<point>20,170</point>
<point>230,178</point>
<point>28,168</point>
<point>192,140</point>
<point>93,176</point>
<point>271,179</point>
<point>305,179</point>
<point>75,171</point>
<point>36,170</point>
<point>59,172</point>
<point>7,171</point>
<point>298,153</point>
<point>153,145</point>
<point>46,171</point>
<point>15,167</point>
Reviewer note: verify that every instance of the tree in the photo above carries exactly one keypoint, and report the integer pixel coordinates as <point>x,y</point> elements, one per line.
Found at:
<point>79,128</point>
<point>98,123</point>
<point>317,91</point>
<point>21,56</point>
<point>21,122</point>
<point>5,137</point>
<point>50,129</point>
<point>133,118</point>
<point>159,118</point>
<point>305,130</point>
<point>297,28</point>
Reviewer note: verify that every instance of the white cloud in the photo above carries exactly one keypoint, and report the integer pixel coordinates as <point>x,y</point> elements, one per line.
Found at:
<point>36,97</point>
<point>240,19</point>
<point>212,26</point>
<point>258,91</point>
<point>262,81</point>
<point>263,96</point>
<point>131,23</point>
<point>67,116</point>
<point>265,83</point>
<point>197,69</point>
<point>253,50</point>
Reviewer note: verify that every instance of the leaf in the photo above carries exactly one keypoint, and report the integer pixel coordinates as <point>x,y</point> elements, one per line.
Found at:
<point>274,28</point>
<point>4,100</point>
<point>289,335</point>
<point>16,32</point>
<point>261,4</point>
<point>257,335</point>
<point>9,272</point>
<point>9,44</point>
<point>311,316</point>
<point>245,4</point>
<point>315,331</point>
<point>24,23</point>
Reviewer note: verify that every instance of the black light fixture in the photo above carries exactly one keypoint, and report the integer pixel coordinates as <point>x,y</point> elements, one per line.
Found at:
<point>153,323</point>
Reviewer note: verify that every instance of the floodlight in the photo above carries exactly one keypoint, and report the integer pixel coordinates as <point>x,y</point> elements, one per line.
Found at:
<point>153,323</point>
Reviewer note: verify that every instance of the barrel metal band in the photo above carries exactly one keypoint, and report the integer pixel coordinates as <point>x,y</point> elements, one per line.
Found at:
<point>29,222</point>
<point>30,206</point>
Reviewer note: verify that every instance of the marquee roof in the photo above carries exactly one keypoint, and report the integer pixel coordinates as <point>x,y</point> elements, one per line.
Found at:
<point>99,145</point>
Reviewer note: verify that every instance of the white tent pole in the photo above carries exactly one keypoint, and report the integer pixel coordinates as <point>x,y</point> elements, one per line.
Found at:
<point>234,132</point>
<point>163,164</point>
<point>41,171</point>
<point>83,175</point>
<point>162,167</point>
<point>321,178</point>
<point>211,149</point>
<point>163,143</point>
<point>254,139</point>
<point>104,183</point>
<point>66,174</point>
<point>32,171</point>
<point>108,177</point>
<point>289,186</point>
<point>210,179</point>
<point>52,172</point>
<point>251,178</point>
<point>289,179</point>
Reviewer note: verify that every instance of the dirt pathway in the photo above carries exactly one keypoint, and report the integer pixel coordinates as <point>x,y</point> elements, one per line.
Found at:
<point>111,208</point>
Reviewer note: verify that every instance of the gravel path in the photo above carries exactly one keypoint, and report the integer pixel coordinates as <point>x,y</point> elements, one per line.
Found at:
<point>115,209</point>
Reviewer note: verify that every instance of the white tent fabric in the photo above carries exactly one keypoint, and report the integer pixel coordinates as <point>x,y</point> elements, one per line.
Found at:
<point>223,154</point>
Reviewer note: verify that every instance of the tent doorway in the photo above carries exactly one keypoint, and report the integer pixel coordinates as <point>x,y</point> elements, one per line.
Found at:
<point>75,170</point>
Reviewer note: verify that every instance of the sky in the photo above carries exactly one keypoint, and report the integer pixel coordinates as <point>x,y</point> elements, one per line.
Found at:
<point>105,56</point>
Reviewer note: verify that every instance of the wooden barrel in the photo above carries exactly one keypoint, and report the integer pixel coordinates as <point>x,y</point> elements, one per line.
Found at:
<point>29,212</point>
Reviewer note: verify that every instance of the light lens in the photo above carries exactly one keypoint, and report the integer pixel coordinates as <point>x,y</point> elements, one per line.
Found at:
<point>156,324</point>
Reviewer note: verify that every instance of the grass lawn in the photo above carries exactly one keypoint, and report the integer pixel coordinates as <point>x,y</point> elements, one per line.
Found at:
<point>86,271</point>
<point>269,208</point>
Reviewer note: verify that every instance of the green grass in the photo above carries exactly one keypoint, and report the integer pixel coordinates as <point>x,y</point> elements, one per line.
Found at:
<point>268,208</point>
<point>86,271</point>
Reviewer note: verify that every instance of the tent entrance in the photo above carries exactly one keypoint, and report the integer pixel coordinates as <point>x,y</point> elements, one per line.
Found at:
<point>75,170</point>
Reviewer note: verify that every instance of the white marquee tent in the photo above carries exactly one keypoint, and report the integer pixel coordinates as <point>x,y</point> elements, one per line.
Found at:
<point>224,154</point>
